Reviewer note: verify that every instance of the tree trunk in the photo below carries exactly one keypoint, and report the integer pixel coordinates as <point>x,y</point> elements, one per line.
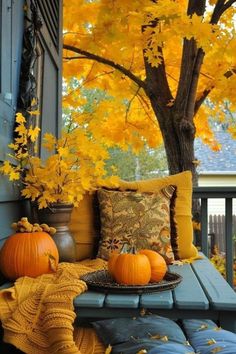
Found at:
<point>178,135</point>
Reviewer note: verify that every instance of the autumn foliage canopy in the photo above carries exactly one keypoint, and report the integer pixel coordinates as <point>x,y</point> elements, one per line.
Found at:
<point>158,61</point>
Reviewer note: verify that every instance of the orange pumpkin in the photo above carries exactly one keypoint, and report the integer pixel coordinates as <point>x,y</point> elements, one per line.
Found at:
<point>112,262</point>
<point>158,264</point>
<point>28,254</point>
<point>132,269</point>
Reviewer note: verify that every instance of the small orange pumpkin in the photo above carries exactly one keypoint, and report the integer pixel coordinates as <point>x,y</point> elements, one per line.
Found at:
<point>113,258</point>
<point>28,254</point>
<point>158,264</point>
<point>132,269</point>
<point>112,262</point>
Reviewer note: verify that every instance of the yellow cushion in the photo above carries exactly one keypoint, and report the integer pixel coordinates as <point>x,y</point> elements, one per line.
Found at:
<point>182,211</point>
<point>84,226</point>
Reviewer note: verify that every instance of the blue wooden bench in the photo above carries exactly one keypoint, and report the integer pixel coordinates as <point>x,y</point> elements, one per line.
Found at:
<point>202,294</point>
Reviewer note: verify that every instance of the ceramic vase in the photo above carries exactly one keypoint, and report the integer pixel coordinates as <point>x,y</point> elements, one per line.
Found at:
<point>58,215</point>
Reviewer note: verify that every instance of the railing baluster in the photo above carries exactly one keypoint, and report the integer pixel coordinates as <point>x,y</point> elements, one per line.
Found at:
<point>229,240</point>
<point>204,226</point>
<point>227,193</point>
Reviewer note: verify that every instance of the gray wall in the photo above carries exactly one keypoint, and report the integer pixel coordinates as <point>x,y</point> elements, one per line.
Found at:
<point>10,53</point>
<point>49,90</point>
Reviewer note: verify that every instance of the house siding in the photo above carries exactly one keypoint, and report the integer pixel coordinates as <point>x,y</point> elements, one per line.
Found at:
<point>49,89</point>
<point>217,206</point>
<point>12,18</point>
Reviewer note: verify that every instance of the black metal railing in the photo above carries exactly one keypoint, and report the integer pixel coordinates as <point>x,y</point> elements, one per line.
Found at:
<point>226,193</point>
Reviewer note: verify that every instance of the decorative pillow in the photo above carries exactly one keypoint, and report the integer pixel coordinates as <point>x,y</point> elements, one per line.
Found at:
<point>207,338</point>
<point>84,225</point>
<point>172,348</point>
<point>131,335</point>
<point>182,242</point>
<point>134,218</point>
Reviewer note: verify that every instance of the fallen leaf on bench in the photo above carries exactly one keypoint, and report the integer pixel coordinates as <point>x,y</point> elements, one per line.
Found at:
<point>155,336</point>
<point>211,341</point>
<point>217,350</point>
<point>164,339</point>
<point>108,349</point>
<point>178,263</point>
<point>187,343</point>
<point>203,326</point>
<point>143,312</point>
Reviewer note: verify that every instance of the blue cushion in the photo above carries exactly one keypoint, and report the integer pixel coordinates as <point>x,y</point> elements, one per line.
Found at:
<point>172,348</point>
<point>130,335</point>
<point>206,338</point>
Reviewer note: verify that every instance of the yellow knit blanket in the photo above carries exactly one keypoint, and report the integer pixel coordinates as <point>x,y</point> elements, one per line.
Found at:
<point>37,314</point>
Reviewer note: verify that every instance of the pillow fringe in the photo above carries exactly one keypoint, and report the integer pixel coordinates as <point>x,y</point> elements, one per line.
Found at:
<point>173,226</point>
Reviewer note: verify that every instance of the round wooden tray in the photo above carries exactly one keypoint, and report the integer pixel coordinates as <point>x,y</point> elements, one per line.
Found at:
<point>102,281</point>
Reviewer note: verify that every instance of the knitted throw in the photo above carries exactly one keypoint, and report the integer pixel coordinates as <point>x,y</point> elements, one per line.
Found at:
<point>37,314</point>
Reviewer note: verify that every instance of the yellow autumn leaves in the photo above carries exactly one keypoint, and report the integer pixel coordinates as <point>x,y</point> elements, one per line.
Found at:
<point>75,164</point>
<point>117,30</point>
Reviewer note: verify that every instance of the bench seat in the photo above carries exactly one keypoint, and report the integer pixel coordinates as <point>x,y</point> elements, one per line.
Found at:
<point>202,294</point>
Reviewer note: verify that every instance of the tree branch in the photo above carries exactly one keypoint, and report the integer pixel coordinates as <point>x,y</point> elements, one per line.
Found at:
<point>206,92</point>
<point>196,7</point>
<point>145,107</point>
<point>229,3</point>
<point>108,62</point>
<point>186,72</point>
<point>199,102</point>
<point>194,82</point>
<point>220,7</point>
<point>130,103</point>
<point>71,58</point>
<point>192,58</point>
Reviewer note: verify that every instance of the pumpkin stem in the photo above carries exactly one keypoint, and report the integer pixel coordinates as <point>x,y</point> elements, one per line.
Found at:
<point>125,248</point>
<point>129,247</point>
<point>133,249</point>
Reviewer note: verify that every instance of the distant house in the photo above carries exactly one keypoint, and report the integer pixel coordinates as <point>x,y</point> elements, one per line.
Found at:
<point>217,169</point>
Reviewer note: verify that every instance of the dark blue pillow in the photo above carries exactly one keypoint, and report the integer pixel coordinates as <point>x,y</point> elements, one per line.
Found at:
<point>152,347</point>
<point>172,348</point>
<point>130,335</point>
<point>206,338</point>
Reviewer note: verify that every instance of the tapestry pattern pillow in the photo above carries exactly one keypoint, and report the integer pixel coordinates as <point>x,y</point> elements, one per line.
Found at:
<point>135,218</point>
<point>182,238</point>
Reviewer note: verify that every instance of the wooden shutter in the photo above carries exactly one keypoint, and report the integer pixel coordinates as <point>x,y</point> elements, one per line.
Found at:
<point>51,14</point>
<point>51,49</point>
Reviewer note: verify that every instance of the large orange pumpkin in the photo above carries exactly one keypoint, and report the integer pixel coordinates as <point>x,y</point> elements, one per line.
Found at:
<point>158,264</point>
<point>132,269</point>
<point>28,254</point>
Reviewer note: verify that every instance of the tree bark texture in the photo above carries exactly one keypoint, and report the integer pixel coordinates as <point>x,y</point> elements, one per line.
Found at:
<point>178,136</point>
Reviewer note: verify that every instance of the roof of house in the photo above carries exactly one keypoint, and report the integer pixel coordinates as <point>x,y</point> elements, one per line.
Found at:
<point>223,161</point>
